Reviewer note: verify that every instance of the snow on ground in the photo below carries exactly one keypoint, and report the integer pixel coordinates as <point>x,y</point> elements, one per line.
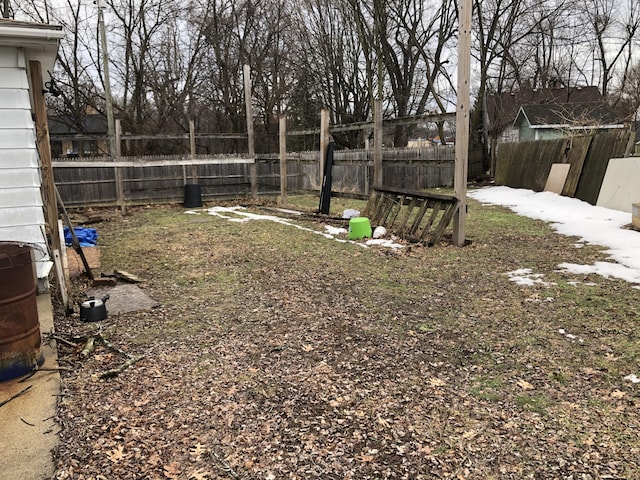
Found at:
<point>239,214</point>
<point>573,217</point>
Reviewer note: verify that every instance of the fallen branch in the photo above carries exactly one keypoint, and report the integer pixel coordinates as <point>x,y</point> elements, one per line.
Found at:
<point>89,347</point>
<point>13,397</point>
<point>117,371</point>
<point>27,376</point>
<point>63,340</point>
<point>54,369</point>
<point>109,345</point>
<point>225,467</point>
<point>43,369</point>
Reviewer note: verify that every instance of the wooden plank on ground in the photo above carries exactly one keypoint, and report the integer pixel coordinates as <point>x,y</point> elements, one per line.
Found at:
<point>434,213</point>
<point>395,204</point>
<point>396,210</point>
<point>444,222</point>
<point>407,214</point>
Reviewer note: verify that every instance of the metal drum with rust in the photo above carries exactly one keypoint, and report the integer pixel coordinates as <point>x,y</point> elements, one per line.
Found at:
<point>20,344</point>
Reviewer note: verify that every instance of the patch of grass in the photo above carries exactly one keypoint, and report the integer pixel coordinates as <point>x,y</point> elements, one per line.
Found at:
<point>267,323</point>
<point>489,389</point>
<point>485,222</point>
<point>559,377</point>
<point>537,403</point>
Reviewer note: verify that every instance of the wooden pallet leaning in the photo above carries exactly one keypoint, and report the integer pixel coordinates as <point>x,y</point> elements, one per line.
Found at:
<point>415,216</point>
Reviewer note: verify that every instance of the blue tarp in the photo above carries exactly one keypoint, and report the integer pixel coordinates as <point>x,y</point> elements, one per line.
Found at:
<point>87,237</point>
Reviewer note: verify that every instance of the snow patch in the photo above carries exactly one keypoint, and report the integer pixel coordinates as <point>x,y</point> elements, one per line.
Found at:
<point>573,217</point>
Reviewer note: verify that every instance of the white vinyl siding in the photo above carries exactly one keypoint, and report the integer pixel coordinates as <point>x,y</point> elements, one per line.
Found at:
<point>21,214</point>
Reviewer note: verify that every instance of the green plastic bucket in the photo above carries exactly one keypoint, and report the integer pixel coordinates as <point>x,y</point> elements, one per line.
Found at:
<point>359,227</point>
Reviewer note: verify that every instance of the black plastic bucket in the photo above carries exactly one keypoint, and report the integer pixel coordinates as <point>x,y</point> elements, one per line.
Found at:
<point>192,195</point>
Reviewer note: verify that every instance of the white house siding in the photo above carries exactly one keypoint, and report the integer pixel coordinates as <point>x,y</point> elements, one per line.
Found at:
<point>21,214</point>
<point>509,135</point>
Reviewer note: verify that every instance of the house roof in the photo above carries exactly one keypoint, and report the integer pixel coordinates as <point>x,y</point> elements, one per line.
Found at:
<point>549,115</point>
<point>502,108</point>
<point>27,34</point>
<point>68,125</point>
<point>39,40</point>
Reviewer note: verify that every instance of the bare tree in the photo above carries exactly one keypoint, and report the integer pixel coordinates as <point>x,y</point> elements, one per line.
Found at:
<point>613,28</point>
<point>628,95</point>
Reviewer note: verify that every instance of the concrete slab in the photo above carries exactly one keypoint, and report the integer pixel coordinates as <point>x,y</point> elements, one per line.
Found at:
<point>621,184</point>
<point>28,426</point>
<point>124,298</point>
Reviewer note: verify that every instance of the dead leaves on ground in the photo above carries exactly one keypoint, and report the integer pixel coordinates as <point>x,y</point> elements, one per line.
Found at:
<point>116,454</point>
<point>263,369</point>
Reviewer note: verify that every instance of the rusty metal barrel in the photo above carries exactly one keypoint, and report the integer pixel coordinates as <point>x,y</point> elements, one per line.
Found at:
<point>20,343</point>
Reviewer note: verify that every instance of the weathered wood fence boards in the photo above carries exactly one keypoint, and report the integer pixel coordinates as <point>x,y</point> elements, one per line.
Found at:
<point>604,146</point>
<point>575,157</point>
<point>162,179</point>
<point>149,181</point>
<point>527,164</point>
<point>415,216</point>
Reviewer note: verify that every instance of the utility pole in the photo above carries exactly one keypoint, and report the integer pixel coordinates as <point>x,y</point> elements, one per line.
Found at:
<point>251,146</point>
<point>462,120</point>
<point>111,129</point>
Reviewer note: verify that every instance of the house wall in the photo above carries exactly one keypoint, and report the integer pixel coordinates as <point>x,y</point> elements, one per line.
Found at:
<point>21,214</point>
<point>526,134</point>
<point>548,134</point>
<point>508,135</point>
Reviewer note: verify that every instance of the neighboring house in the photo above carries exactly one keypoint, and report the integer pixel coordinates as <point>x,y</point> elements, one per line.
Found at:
<point>420,143</point>
<point>503,108</point>
<point>21,206</point>
<point>555,120</point>
<point>84,137</point>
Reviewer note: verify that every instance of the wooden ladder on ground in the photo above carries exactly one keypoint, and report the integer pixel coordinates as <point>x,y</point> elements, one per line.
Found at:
<point>415,216</point>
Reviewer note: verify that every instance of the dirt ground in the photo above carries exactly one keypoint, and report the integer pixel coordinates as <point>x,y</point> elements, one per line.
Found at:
<point>279,354</point>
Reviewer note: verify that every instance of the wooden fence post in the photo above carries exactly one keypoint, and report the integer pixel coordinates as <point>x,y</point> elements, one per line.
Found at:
<point>192,148</point>
<point>377,143</point>
<point>115,155</point>
<point>324,142</point>
<point>283,159</point>
<point>48,186</point>
<point>118,141</point>
<point>253,174</point>
<point>462,121</point>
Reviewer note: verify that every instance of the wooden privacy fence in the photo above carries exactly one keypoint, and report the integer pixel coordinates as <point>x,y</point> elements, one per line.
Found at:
<point>527,164</point>
<point>141,180</point>
<point>146,180</point>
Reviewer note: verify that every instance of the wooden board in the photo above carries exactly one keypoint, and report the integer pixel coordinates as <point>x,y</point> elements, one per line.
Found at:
<point>557,177</point>
<point>603,147</point>
<point>527,164</point>
<point>621,185</point>
<point>578,148</point>
<point>415,216</point>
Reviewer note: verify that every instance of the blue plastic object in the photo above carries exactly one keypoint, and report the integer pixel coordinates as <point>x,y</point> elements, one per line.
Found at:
<point>87,237</point>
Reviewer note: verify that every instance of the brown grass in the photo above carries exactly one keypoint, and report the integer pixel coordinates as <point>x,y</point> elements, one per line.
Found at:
<point>277,353</point>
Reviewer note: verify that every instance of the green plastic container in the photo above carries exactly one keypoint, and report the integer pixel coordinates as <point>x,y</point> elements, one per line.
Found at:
<point>359,227</point>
